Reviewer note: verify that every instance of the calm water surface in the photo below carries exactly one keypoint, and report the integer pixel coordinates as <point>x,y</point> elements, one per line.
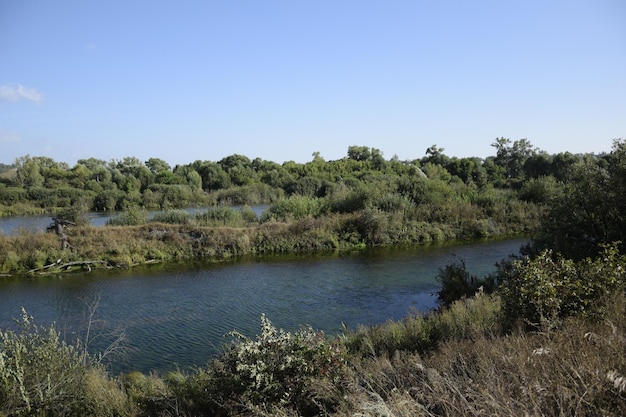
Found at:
<point>180,314</point>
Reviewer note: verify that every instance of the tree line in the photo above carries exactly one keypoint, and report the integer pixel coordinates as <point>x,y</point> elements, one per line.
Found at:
<point>38,183</point>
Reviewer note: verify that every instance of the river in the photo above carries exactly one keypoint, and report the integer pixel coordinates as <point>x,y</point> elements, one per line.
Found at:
<point>178,315</point>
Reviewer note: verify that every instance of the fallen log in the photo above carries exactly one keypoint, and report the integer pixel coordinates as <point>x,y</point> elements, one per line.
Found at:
<point>68,265</point>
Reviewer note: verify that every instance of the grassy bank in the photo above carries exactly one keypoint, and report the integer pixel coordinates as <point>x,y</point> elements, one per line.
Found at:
<point>224,233</point>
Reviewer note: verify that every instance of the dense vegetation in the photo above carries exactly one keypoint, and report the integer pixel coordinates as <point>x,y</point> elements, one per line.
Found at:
<point>544,335</point>
<point>359,200</point>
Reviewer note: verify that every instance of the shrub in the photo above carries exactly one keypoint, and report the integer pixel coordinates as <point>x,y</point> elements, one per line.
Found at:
<point>295,207</point>
<point>220,216</point>
<point>393,202</point>
<point>480,315</point>
<point>133,216</point>
<point>457,283</point>
<point>538,190</point>
<point>278,369</point>
<point>42,375</point>
<point>173,217</point>
<point>549,287</point>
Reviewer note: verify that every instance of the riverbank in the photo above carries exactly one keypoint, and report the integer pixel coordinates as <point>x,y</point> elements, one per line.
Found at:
<point>460,361</point>
<point>128,246</point>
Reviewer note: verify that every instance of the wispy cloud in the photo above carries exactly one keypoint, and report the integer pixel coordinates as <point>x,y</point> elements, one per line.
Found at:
<point>9,137</point>
<point>16,92</point>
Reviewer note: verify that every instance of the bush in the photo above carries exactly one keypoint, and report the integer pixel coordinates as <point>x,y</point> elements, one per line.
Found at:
<point>542,290</point>
<point>538,190</point>
<point>220,216</point>
<point>457,283</point>
<point>295,207</point>
<point>172,217</point>
<point>278,369</point>
<point>133,216</point>
<point>42,375</point>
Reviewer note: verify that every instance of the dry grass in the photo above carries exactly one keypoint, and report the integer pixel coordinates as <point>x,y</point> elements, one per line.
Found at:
<point>576,370</point>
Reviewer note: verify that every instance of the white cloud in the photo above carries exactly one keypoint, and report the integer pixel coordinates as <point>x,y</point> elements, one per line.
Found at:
<point>9,137</point>
<point>18,92</point>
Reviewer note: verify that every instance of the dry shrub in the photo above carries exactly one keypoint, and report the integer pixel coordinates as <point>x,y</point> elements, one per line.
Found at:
<point>564,372</point>
<point>103,396</point>
<point>577,370</point>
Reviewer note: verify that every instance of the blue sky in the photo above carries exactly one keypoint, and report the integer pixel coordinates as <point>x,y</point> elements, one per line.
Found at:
<point>190,80</point>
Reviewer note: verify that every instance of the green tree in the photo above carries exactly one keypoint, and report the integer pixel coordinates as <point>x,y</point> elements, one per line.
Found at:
<point>434,155</point>
<point>513,155</point>
<point>213,175</point>
<point>590,210</point>
<point>29,172</point>
<point>156,165</point>
<point>359,153</point>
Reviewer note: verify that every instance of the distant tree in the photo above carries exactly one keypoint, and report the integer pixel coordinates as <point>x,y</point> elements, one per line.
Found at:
<point>538,165</point>
<point>79,176</point>
<point>278,177</point>
<point>190,176</point>
<point>317,157</point>
<point>29,171</point>
<point>306,186</point>
<point>513,155</point>
<point>359,153</point>
<point>434,155</point>
<point>562,164</point>
<point>213,175</point>
<point>99,169</point>
<point>156,165</point>
<point>239,169</point>
<point>127,165</point>
<point>378,161</point>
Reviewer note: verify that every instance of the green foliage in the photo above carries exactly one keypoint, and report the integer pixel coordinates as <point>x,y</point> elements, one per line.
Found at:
<point>548,288</point>
<point>13,195</point>
<point>457,283</point>
<point>467,318</point>
<point>539,190</point>
<point>132,216</point>
<point>512,156</point>
<point>172,217</point>
<point>220,216</point>
<point>76,213</point>
<point>42,375</point>
<point>295,207</point>
<point>256,193</point>
<point>590,210</point>
<point>277,368</point>
<point>107,200</point>
<point>306,186</point>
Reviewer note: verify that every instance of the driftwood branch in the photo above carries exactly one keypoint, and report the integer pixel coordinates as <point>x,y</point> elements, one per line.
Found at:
<point>68,265</point>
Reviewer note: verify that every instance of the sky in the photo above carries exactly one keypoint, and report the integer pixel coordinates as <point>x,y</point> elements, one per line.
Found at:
<point>279,80</point>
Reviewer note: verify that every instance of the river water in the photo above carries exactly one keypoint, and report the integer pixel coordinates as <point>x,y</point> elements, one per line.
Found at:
<point>178,315</point>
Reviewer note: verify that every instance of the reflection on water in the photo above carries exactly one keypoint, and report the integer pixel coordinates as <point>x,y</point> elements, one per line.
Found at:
<point>179,314</point>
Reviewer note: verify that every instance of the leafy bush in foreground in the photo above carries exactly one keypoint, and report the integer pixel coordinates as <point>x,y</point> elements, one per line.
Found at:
<point>278,369</point>
<point>548,287</point>
<point>42,375</point>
